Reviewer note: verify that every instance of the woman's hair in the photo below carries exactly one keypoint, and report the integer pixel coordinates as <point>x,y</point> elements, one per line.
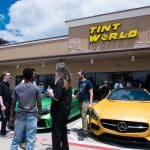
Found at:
<point>66,77</point>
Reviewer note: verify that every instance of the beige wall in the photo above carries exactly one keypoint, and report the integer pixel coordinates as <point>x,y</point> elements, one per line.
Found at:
<point>48,69</point>
<point>33,50</point>
<point>79,43</point>
<point>98,66</point>
<point>142,24</point>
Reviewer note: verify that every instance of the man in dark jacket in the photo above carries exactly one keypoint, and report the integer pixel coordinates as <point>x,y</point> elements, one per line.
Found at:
<point>5,100</point>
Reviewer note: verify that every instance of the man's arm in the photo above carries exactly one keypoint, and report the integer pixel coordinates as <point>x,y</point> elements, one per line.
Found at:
<point>3,108</point>
<point>75,95</point>
<point>140,84</point>
<point>101,86</point>
<point>91,96</point>
<point>12,110</point>
<point>51,94</point>
<point>39,105</point>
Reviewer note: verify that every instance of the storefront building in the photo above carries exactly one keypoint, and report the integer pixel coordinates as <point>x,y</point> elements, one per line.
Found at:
<point>106,46</point>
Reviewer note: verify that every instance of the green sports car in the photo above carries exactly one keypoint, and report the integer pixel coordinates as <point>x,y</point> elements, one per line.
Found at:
<point>46,119</point>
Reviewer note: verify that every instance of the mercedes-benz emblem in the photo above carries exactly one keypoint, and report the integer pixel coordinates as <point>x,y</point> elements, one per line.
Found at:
<point>122,126</point>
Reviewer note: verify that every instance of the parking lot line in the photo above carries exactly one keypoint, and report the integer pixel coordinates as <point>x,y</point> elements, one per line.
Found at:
<point>91,146</point>
<point>76,144</point>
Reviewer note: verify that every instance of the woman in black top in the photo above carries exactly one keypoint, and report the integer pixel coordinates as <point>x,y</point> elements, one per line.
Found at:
<point>60,109</point>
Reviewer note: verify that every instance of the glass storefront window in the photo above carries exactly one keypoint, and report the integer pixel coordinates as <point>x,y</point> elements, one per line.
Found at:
<point>43,80</point>
<point>97,79</point>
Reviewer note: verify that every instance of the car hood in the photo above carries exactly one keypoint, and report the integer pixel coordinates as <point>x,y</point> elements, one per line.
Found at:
<point>46,102</point>
<point>115,109</point>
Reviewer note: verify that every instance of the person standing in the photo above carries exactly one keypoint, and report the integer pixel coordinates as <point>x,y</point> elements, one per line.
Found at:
<point>136,83</point>
<point>5,100</point>
<point>29,110</point>
<point>119,84</point>
<point>60,109</point>
<point>34,77</point>
<point>104,89</point>
<point>23,141</point>
<point>85,96</point>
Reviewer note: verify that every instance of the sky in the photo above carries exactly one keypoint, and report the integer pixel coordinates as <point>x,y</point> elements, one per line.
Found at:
<point>27,20</point>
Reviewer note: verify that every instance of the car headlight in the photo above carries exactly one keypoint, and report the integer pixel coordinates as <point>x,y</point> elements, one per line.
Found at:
<point>94,115</point>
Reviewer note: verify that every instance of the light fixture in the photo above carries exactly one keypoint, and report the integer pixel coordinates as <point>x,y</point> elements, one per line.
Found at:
<point>92,60</point>
<point>132,58</point>
<point>17,66</point>
<point>43,64</point>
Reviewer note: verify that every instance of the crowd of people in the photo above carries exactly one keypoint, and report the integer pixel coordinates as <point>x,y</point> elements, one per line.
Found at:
<point>105,87</point>
<point>28,96</point>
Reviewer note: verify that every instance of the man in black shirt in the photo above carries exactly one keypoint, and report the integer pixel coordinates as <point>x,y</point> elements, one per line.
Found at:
<point>5,100</point>
<point>104,89</point>
<point>136,83</point>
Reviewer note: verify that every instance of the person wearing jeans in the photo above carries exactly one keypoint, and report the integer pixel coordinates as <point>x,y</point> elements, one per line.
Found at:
<point>29,110</point>
<point>30,122</point>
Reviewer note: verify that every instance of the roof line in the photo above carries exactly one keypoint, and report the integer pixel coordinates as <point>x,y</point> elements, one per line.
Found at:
<point>34,41</point>
<point>113,12</point>
<point>120,15</point>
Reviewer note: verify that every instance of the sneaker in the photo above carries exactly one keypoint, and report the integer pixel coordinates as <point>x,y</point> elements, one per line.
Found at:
<point>80,129</point>
<point>3,132</point>
<point>85,134</point>
<point>81,138</point>
<point>22,146</point>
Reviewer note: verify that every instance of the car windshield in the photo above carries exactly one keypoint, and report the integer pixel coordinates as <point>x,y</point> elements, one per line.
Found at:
<point>130,94</point>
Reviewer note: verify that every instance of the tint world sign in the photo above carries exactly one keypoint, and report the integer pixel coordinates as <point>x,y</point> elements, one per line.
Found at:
<point>110,32</point>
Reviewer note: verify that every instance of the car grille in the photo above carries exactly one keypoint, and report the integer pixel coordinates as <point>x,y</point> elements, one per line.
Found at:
<point>126,140</point>
<point>124,126</point>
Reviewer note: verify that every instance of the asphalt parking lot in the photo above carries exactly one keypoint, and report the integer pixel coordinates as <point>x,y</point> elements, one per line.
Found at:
<point>44,142</point>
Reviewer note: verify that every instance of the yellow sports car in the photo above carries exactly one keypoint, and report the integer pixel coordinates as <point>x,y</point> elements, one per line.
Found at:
<point>124,112</point>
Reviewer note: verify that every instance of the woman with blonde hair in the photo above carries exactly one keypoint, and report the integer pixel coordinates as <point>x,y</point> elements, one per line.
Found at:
<point>60,109</point>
